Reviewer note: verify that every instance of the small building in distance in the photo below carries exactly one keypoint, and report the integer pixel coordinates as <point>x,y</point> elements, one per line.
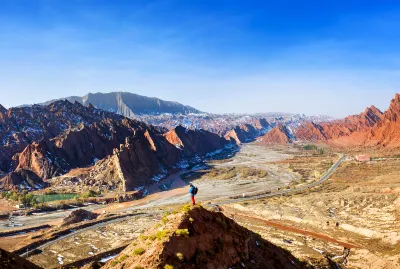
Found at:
<point>363,158</point>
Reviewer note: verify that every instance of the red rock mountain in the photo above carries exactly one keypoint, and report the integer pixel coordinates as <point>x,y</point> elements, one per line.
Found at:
<point>22,179</point>
<point>198,142</point>
<point>242,134</point>
<point>54,139</point>
<point>372,128</point>
<point>278,135</point>
<point>20,127</point>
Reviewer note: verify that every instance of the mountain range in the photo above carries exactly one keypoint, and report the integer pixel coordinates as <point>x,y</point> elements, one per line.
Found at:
<point>129,104</point>
<point>77,142</point>
<point>371,128</point>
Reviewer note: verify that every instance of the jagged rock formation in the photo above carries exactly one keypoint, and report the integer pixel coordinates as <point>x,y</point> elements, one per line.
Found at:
<point>130,104</point>
<point>242,134</point>
<point>248,132</point>
<point>145,158</point>
<point>202,239</point>
<point>11,261</point>
<point>372,128</point>
<point>279,135</point>
<point>263,126</point>
<point>198,142</point>
<point>332,130</point>
<point>20,127</point>
<point>22,179</point>
<point>72,136</point>
<point>78,148</point>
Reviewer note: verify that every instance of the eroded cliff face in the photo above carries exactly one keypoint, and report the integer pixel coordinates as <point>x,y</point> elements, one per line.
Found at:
<point>198,142</point>
<point>72,136</point>
<point>21,179</point>
<point>19,127</point>
<point>280,135</point>
<point>372,128</point>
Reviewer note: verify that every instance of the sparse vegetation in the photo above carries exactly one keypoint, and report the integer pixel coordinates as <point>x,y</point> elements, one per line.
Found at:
<point>186,208</point>
<point>143,237</point>
<point>90,193</point>
<point>310,147</point>
<point>180,256</point>
<point>243,172</point>
<point>114,263</point>
<point>25,198</point>
<point>318,150</point>
<point>182,232</point>
<point>138,267</point>
<point>138,252</point>
<point>160,235</point>
<point>123,258</point>
<point>164,220</point>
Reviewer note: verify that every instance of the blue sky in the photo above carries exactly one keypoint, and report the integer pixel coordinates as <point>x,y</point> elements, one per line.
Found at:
<point>313,57</point>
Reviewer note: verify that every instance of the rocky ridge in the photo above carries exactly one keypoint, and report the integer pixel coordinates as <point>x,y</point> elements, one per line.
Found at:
<point>69,137</point>
<point>198,238</point>
<point>372,128</point>
<point>129,104</point>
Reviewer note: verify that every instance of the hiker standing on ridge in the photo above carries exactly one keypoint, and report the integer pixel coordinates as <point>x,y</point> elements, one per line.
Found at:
<point>193,191</point>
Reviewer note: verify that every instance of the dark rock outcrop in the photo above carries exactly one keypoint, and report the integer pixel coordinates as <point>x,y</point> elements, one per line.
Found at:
<point>22,179</point>
<point>11,261</point>
<point>198,142</point>
<point>280,135</point>
<point>79,216</point>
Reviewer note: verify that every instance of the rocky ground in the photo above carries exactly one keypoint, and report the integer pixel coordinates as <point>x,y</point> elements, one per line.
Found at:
<point>353,218</point>
<point>359,207</point>
<point>94,241</point>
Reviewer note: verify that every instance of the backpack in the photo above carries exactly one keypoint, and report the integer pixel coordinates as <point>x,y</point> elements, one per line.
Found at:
<point>196,190</point>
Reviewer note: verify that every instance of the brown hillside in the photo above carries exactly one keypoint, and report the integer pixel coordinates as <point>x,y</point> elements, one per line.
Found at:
<point>198,238</point>
<point>278,135</point>
<point>12,261</point>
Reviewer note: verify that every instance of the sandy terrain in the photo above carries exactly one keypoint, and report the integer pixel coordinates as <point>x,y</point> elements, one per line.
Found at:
<point>95,241</point>
<point>363,199</point>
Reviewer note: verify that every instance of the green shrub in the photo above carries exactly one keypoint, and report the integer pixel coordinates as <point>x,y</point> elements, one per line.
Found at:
<point>186,208</point>
<point>164,220</point>
<point>182,232</point>
<point>262,173</point>
<point>152,237</point>
<point>138,267</point>
<point>168,266</point>
<point>143,237</point>
<point>138,251</point>
<point>180,256</point>
<point>114,263</point>
<point>230,175</point>
<point>161,234</point>
<point>310,147</point>
<point>123,258</point>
